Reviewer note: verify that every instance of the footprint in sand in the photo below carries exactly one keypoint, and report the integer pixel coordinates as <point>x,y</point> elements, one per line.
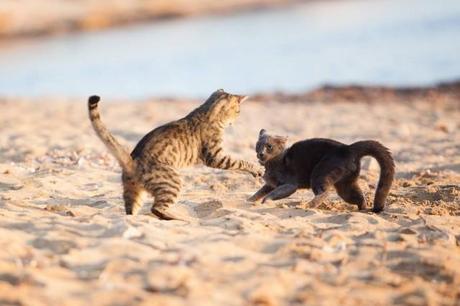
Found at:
<point>55,246</point>
<point>17,280</point>
<point>173,280</point>
<point>60,209</point>
<point>89,271</point>
<point>5,186</point>
<point>336,219</point>
<point>210,209</point>
<point>411,267</point>
<point>416,297</point>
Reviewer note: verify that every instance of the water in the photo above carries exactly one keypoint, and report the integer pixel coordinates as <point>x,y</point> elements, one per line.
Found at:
<point>389,42</point>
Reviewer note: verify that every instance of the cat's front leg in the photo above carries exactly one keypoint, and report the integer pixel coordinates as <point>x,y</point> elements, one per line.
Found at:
<point>280,192</point>
<point>262,192</point>
<point>213,157</point>
<point>251,168</point>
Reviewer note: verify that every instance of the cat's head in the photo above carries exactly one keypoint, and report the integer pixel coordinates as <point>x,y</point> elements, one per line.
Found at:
<point>269,146</point>
<point>223,107</point>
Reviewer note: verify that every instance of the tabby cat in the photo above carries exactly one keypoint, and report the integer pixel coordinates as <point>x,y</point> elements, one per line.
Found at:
<point>152,165</point>
<point>320,164</point>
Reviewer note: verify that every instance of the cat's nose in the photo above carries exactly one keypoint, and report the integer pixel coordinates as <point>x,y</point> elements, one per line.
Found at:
<point>260,155</point>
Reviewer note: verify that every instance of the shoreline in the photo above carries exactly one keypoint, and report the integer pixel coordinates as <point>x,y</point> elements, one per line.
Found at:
<point>368,93</point>
<point>324,93</point>
<point>57,17</point>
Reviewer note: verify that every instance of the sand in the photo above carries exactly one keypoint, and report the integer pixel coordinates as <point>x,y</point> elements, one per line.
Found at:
<point>33,18</point>
<point>65,239</point>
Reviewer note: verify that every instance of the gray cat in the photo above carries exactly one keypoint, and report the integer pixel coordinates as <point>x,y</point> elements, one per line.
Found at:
<point>320,164</point>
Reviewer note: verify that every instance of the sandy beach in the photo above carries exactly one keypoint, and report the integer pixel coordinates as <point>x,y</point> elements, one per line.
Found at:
<point>66,241</point>
<point>45,17</point>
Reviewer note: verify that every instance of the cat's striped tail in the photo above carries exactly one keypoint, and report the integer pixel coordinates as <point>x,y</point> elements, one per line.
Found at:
<point>120,152</point>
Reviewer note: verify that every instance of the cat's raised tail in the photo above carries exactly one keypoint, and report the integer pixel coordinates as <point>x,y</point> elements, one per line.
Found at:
<point>119,151</point>
<point>387,168</point>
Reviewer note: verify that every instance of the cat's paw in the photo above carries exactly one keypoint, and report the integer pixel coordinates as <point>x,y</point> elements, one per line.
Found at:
<point>168,214</point>
<point>317,200</point>
<point>256,172</point>
<point>267,200</point>
<point>253,199</point>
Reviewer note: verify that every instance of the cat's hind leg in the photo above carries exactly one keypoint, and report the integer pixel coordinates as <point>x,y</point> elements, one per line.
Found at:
<point>349,190</point>
<point>164,184</point>
<point>132,194</point>
<point>317,200</point>
<point>326,173</point>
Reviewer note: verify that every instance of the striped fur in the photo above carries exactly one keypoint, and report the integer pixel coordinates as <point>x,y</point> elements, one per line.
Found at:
<point>120,152</point>
<point>152,165</point>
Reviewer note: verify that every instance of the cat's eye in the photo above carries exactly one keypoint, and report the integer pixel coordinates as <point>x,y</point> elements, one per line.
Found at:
<point>269,146</point>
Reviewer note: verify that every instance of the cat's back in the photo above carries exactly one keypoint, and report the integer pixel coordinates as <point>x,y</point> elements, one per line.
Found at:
<point>304,155</point>
<point>165,140</point>
<point>314,147</point>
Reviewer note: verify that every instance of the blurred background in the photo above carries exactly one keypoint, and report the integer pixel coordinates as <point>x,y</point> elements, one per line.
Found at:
<point>179,48</point>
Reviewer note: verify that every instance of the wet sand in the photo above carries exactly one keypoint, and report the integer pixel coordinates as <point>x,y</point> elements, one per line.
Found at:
<point>66,241</point>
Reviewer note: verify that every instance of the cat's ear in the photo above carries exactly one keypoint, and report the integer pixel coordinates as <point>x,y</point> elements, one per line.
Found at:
<point>218,101</point>
<point>215,96</point>
<point>282,139</point>
<point>242,98</point>
<point>262,132</point>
